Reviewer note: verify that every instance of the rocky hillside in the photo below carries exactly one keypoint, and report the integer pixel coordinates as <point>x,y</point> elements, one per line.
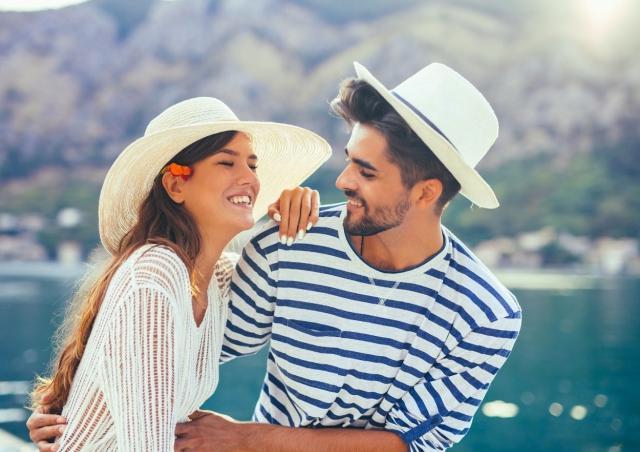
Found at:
<point>77,84</point>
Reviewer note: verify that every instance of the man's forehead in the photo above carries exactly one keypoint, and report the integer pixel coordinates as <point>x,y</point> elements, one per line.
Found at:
<point>366,141</point>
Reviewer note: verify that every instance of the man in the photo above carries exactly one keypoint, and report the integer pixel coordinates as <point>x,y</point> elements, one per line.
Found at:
<point>385,329</point>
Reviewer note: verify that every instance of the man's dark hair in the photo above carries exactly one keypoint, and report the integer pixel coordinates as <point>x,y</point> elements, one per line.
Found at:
<point>357,101</point>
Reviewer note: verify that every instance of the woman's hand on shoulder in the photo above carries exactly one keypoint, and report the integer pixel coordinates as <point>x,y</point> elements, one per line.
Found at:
<point>297,211</point>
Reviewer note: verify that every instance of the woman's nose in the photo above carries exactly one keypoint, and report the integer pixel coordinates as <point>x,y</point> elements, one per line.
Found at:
<point>247,175</point>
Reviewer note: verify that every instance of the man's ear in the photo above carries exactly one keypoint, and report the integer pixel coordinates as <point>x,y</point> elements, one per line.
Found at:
<point>427,192</point>
<point>174,186</point>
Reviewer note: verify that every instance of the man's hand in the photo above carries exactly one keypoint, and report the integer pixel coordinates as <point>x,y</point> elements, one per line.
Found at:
<point>209,431</point>
<point>45,429</point>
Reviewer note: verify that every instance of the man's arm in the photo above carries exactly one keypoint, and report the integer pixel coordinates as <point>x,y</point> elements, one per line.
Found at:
<point>438,410</point>
<point>252,297</point>
<point>210,431</point>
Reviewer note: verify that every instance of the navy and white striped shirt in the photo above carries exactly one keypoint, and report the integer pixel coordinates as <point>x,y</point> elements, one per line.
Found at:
<point>418,364</point>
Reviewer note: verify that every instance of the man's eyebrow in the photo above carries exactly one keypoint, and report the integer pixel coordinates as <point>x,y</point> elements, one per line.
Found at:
<point>360,162</point>
<point>236,153</point>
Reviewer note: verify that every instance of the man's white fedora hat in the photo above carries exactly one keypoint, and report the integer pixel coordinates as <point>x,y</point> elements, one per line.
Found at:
<point>287,155</point>
<point>452,118</point>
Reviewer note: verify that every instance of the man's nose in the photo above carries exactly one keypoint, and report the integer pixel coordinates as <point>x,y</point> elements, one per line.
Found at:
<point>345,180</point>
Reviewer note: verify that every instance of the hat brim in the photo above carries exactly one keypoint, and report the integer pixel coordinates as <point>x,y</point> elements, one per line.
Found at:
<point>287,155</point>
<point>473,186</point>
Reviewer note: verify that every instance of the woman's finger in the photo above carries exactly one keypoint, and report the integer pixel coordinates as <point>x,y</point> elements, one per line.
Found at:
<point>305,212</point>
<point>315,209</point>
<point>274,212</point>
<point>285,201</point>
<point>294,214</point>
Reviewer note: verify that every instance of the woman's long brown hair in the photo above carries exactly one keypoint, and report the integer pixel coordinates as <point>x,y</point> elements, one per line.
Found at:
<point>160,221</point>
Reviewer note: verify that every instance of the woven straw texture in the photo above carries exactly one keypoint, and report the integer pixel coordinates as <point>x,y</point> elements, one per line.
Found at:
<point>287,155</point>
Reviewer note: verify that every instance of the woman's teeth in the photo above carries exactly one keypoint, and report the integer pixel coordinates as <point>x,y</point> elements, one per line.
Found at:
<point>240,200</point>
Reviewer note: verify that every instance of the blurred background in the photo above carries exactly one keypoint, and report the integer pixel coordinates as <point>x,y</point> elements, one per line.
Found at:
<point>79,82</point>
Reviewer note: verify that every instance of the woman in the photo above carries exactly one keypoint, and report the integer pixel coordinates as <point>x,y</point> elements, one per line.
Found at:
<point>143,351</point>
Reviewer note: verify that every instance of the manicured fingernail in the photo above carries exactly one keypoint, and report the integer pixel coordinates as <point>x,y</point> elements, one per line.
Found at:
<point>283,239</point>
<point>300,234</point>
<point>56,447</point>
<point>309,226</point>
<point>289,241</point>
<point>61,420</point>
<point>61,428</point>
<point>277,217</point>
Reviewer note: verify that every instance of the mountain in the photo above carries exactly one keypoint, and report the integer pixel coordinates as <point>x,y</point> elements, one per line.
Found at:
<point>79,83</point>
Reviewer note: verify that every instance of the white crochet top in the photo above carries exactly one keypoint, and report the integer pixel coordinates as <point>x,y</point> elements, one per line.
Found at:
<point>147,365</point>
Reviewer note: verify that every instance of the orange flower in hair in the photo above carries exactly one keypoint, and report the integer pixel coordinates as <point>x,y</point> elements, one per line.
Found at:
<point>177,170</point>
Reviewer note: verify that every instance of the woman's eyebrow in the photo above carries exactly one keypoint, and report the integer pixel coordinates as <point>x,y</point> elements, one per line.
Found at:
<point>236,153</point>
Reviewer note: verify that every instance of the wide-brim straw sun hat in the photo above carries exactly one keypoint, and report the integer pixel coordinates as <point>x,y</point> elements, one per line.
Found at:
<point>451,117</point>
<point>287,155</point>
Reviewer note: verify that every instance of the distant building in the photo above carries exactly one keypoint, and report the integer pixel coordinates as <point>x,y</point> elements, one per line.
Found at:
<point>22,247</point>
<point>614,256</point>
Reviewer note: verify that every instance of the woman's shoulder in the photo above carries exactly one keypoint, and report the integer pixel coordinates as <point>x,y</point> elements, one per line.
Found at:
<point>224,270</point>
<point>159,266</point>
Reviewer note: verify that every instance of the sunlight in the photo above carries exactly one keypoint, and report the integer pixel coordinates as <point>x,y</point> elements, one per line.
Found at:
<point>601,15</point>
<point>498,408</point>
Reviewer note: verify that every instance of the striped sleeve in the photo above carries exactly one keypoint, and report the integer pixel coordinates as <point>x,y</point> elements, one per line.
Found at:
<point>252,300</point>
<point>437,412</point>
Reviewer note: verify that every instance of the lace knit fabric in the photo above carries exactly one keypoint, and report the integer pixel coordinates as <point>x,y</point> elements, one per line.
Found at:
<point>147,365</point>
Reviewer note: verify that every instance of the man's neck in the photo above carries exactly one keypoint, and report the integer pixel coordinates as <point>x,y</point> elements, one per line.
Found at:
<point>400,248</point>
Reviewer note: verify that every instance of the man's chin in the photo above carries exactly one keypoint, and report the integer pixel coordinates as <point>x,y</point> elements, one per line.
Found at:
<point>356,228</point>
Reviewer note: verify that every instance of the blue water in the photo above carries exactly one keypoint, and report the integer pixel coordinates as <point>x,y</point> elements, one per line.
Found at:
<point>577,357</point>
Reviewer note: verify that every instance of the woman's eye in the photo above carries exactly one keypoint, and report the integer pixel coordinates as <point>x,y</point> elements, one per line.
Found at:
<point>254,168</point>
<point>226,163</point>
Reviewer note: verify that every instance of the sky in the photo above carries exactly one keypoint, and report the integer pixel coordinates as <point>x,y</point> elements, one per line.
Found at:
<point>34,5</point>
<point>37,5</point>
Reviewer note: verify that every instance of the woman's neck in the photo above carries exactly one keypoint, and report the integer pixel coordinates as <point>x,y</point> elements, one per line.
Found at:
<point>205,262</point>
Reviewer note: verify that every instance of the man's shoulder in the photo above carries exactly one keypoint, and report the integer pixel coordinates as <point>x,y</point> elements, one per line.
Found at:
<point>473,279</point>
<point>268,235</point>
<point>331,211</point>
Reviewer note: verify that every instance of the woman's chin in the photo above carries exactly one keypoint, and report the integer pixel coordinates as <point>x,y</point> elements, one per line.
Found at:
<point>243,224</point>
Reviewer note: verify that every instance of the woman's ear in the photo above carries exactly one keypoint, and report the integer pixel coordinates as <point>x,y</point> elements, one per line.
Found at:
<point>174,186</point>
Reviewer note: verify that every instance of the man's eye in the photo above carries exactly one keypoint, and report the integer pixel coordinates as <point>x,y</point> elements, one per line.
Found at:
<point>367,175</point>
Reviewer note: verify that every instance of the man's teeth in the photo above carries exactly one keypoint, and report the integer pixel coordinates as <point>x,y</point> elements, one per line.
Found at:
<point>240,200</point>
<point>355,203</point>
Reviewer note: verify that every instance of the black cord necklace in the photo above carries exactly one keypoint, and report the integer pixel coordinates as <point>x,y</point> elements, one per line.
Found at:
<point>382,299</point>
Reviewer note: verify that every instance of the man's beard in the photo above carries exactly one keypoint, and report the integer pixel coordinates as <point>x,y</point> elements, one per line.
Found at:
<point>382,218</point>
